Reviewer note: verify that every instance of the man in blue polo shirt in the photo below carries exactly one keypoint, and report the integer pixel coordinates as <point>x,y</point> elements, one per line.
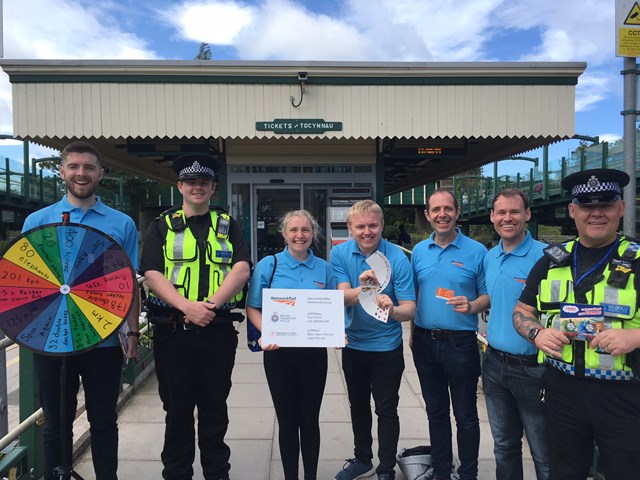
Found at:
<point>372,360</point>
<point>511,376</point>
<point>451,292</point>
<point>100,368</point>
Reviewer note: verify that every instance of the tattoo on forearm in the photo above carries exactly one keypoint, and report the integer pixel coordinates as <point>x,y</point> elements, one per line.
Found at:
<point>524,321</point>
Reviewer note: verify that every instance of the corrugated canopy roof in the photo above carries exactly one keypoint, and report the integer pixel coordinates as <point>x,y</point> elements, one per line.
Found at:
<point>430,119</point>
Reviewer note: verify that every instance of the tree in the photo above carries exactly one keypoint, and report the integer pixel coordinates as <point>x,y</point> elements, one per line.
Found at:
<point>204,53</point>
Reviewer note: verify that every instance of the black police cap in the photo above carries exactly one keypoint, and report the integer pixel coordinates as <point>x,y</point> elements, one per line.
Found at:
<point>598,185</point>
<point>195,166</point>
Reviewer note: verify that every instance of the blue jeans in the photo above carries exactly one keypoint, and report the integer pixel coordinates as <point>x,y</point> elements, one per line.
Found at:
<point>512,393</point>
<point>378,374</point>
<point>443,366</point>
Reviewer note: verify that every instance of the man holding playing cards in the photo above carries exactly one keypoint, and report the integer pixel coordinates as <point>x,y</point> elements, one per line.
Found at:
<point>451,292</point>
<point>373,361</point>
<point>591,387</point>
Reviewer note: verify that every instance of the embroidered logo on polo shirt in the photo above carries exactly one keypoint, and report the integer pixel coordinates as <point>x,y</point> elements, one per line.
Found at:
<point>520,280</point>
<point>320,284</point>
<point>457,264</point>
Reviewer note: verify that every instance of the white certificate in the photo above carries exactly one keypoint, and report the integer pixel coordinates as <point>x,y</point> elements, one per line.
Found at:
<point>303,318</point>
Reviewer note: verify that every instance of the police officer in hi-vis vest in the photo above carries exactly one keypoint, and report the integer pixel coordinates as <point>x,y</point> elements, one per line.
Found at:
<point>196,264</point>
<point>580,308</point>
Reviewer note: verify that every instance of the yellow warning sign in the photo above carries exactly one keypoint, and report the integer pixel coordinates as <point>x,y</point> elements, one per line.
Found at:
<point>628,42</point>
<point>633,18</point>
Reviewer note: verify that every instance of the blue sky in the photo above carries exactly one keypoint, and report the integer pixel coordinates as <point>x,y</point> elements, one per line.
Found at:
<point>345,30</point>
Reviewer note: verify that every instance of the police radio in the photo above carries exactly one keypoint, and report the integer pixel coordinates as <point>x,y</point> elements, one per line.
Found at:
<point>222,228</point>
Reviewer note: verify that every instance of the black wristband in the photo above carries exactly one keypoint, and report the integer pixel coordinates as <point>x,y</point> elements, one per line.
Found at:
<point>133,334</point>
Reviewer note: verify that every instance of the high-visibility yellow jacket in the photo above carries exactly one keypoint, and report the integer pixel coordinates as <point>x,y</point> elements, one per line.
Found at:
<point>621,312</point>
<point>183,257</point>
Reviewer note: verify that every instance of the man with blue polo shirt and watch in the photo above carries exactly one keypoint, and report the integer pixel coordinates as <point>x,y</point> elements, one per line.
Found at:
<point>451,292</point>
<point>511,376</point>
<point>372,361</point>
<point>100,368</point>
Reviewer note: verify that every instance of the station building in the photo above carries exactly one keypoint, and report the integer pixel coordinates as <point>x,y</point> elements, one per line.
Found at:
<point>314,135</point>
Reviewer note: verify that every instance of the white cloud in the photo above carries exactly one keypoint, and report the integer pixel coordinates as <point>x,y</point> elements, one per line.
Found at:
<point>64,29</point>
<point>217,23</point>
<point>609,137</point>
<point>593,87</point>
<point>284,30</point>
<point>68,29</point>
<point>275,29</point>
<point>571,29</point>
<point>440,30</point>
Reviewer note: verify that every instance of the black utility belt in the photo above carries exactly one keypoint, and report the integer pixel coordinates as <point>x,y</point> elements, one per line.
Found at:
<point>438,334</point>
<point>517,360</point>
<point>175,318</point>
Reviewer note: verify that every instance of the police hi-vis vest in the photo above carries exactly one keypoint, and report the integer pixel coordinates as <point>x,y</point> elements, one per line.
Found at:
<point>182,256</point>
<point>621,312</point>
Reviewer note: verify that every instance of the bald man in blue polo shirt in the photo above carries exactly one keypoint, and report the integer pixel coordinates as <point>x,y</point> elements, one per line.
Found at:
<point>451,292</point>
<point>511,376</point>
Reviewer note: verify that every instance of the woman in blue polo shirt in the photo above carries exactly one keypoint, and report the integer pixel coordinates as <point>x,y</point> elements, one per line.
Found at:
<point>296,376</point>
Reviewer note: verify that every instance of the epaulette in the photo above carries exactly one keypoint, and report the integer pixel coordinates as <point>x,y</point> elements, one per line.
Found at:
<point>622,266</point>
<point>629,238</point>
<point>218,209</point>
<point>168,211</point>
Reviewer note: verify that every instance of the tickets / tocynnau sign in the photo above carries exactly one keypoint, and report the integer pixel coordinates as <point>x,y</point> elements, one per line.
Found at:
<point>298,125</point>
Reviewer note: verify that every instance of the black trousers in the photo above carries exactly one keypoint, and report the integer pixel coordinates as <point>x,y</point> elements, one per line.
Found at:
<point>380,374</point>
<point>194,371</point>
<point>579,411</point>
<point>297,377</point>
<point>101,371</point>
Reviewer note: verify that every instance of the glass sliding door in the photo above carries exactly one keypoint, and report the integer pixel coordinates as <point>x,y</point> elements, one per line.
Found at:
<point>271,204</point>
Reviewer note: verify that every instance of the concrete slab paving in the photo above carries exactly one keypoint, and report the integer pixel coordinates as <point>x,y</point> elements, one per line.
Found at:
<point>253,431</point>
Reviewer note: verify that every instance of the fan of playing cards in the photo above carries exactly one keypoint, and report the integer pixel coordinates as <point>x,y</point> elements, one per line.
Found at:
<point>367,297</point>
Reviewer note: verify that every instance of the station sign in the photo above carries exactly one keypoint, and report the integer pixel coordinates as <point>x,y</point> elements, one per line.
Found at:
<point>298,125</point>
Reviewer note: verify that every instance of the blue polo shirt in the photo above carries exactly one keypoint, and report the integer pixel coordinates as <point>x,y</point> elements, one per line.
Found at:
<point>364,332</point>
<point>506,275</point>
<point>457,267</point>
<point>114,223</point>
<point>313,273</point>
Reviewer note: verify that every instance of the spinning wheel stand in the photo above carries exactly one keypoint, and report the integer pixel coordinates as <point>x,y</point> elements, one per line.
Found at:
<point>64,471</point>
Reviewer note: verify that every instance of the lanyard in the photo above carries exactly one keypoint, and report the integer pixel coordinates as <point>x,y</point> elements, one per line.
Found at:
<point>596,266</point>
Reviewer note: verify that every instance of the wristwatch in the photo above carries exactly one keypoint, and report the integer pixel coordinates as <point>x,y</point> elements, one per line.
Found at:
<point>533,333</point>
<point>133,334</point>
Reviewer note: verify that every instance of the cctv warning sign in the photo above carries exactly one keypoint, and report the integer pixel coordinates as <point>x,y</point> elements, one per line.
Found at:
<point>627,28</point>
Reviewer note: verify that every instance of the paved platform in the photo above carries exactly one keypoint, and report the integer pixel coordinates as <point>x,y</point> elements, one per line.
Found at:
<point>253,428</point>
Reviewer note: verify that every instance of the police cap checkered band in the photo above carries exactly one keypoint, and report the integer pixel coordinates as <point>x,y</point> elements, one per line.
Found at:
<point>597,185</point>
<point>195,170</point>
<point>195,166</point>
<point>594,186</point>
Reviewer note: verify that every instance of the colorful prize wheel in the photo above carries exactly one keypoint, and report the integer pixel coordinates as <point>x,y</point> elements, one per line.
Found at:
<point>64,288</point>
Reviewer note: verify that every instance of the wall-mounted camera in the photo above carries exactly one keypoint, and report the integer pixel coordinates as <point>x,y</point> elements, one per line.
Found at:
<point>302,76</point>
